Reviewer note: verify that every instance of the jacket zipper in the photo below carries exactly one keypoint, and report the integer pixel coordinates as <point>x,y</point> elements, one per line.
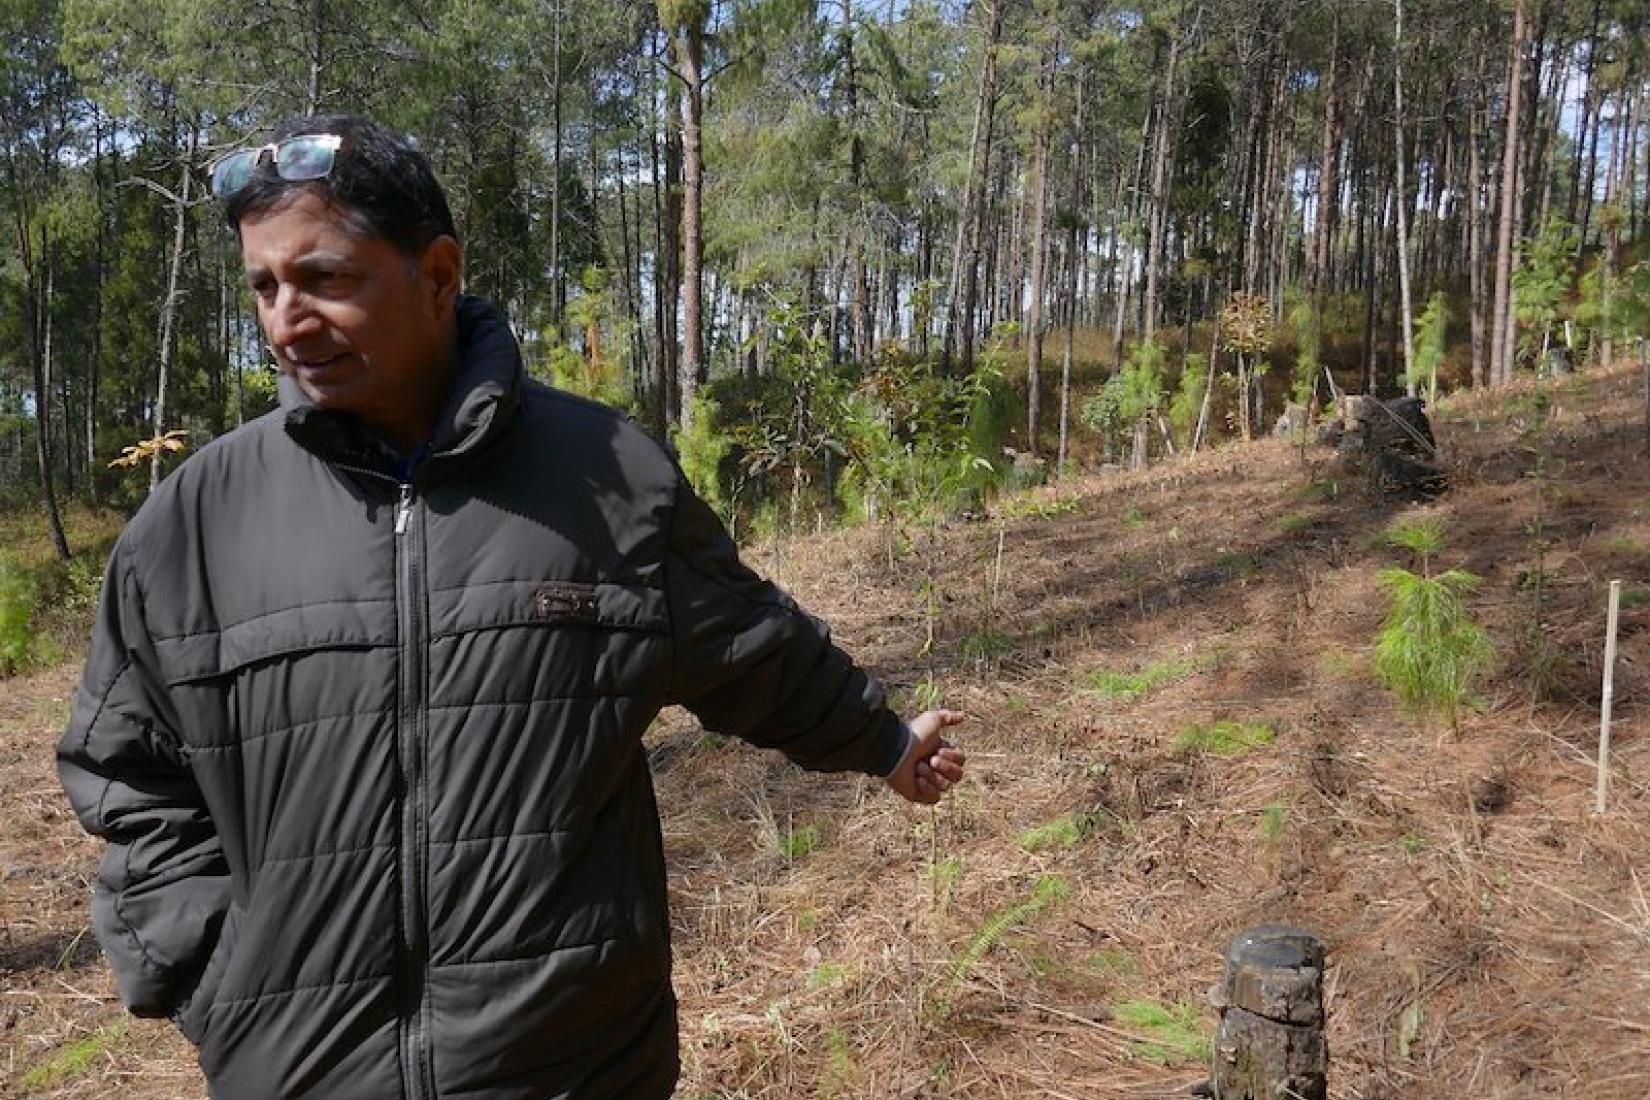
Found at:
<point>412,714</point>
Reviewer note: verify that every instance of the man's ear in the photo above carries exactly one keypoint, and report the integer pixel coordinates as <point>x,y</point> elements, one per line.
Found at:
<point>442,267</point>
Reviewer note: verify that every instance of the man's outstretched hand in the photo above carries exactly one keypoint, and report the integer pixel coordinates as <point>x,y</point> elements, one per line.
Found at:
<point>932,764</point>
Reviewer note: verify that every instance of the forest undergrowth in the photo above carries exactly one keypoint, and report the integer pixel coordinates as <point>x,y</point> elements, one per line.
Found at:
<point>1177,732</point>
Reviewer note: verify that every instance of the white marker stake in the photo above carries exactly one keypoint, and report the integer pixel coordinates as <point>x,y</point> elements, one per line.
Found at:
<point>1604,706</point>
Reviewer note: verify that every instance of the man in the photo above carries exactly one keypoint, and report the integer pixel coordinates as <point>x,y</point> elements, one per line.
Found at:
<point>362,717</point>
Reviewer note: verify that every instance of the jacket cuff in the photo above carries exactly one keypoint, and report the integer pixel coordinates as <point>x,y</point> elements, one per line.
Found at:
<point>904,743</point>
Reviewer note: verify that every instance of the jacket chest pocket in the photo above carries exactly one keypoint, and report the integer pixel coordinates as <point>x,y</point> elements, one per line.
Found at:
<point>521,642</point>
<point>284,717</point>
<point>281,672</point>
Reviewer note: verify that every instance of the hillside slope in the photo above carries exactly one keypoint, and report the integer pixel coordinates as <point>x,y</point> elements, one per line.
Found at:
<point>1053,929</point>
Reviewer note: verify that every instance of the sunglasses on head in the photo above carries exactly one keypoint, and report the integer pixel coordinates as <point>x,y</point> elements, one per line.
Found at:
<point>299,158</point>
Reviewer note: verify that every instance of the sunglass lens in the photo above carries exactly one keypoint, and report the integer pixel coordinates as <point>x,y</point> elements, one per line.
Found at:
<point>304,159</point>
<point>230,174</point>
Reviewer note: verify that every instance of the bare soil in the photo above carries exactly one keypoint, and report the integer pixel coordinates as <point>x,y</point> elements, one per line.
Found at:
<point>1489,935</point>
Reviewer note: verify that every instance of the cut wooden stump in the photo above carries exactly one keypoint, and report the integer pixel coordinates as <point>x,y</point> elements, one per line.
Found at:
<point>1270,1043</point>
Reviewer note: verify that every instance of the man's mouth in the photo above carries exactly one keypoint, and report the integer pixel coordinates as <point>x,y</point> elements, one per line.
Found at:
<point>319,362</point>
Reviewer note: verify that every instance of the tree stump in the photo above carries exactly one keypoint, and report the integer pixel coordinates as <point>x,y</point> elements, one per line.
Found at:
<point>1270,1044</point>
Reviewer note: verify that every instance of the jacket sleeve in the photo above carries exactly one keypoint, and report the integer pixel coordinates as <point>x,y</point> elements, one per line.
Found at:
<point>162,889</point>
<point>752,664</point>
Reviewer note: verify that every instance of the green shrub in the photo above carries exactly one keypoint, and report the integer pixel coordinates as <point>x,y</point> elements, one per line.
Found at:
<point>19,597</point>
<point>1430,332</point>
<point>701,450</point>
<point>1187,403</point>
<point>1129,397</point>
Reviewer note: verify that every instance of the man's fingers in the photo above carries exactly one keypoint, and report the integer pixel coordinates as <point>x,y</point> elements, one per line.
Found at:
<point>935,765</point>
<point>930,722</point>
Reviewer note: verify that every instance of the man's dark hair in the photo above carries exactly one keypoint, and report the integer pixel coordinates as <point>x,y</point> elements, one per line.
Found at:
<point>379,182</point>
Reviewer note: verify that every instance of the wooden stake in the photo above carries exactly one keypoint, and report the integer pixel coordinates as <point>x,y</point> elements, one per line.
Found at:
<point>997,573</point>
<point>1604,705</point>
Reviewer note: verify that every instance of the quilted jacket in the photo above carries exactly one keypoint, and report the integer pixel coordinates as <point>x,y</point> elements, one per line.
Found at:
<point>366,746</point>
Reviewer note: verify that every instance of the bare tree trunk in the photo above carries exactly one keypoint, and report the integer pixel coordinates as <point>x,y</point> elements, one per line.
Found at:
<point>670,262</point>
<point>638,358</point>
<point>1610,226</point>
<point>1504,324</point>
<point>43,413</point>
<point>1072,292</point>
<point>558,290</point>
<point>37,307</point>
<point>859,290</point>
<point>1475,236</point>
<point>1587,101</point>
<point>1328,183</point>
<point>1121,278</point>
<point>963,293</point>
<point>1404,300</point>
<point>1039,243</point>
<point>317,57</point>
<point>1597,115</point>
<point>1123,269</point>
<point>1209,386</point>
<point>690,51</point>
<point>95,356</point>
<point>1158,210</point>
<point>174,298</point>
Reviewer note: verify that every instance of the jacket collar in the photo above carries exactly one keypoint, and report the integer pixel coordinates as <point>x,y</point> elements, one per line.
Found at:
<point>485,393</point>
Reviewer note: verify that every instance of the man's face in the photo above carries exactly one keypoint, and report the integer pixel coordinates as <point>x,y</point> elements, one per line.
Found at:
<point>359,326</point>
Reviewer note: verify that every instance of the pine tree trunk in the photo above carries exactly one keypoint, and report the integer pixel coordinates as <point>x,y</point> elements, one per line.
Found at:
<point>1503,326</point>
<point>94,357</point>
<point>1587,100</point>
<point>558,291</point>
<point>690,50</point>
<point>962,296</point>
<point>670,267</point>
<point>1404,300</point>
<point>317,57</point>
<point>174,299</point>
<point>1039,245</point>
<point>37,308</point>
<point>1328,184</point>
<point>1072,292</point>
<point>1475,238</point>
<point>1159,199</point>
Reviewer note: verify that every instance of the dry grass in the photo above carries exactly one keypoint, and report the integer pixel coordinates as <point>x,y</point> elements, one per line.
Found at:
<point>1461,883</point>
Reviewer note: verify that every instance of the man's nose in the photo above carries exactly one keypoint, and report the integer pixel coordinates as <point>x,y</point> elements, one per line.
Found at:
<point>290,318</point>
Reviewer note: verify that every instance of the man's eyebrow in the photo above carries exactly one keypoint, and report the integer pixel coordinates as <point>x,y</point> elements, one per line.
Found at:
<point>309,263</point>
<point>323,260</point>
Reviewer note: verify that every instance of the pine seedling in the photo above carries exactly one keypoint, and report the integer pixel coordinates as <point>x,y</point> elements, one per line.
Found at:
<point>1430,650</point>
<point>1048,890</point>
<point>1422,537</point>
